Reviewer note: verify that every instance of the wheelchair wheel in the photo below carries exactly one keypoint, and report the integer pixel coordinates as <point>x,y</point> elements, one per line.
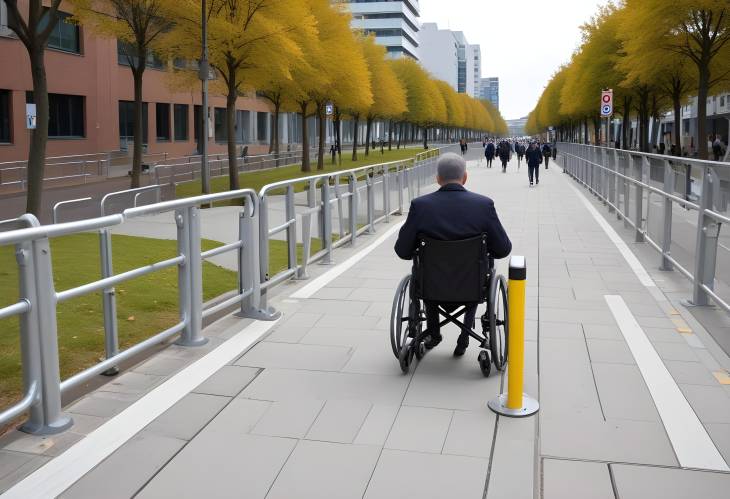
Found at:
<point>401,303</point>
<point>498,324</point>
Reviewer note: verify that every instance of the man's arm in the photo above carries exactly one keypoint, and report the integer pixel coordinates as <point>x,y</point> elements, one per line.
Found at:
<point>408,234</point>
<point>499,244</point>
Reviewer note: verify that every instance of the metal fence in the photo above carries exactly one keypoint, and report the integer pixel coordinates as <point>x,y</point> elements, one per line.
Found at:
<point>372,194</point>
<point>675,204</point>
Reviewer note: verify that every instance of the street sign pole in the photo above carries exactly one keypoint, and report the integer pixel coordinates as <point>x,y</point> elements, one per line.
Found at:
<point>607,111</point>
<point>203,75</point>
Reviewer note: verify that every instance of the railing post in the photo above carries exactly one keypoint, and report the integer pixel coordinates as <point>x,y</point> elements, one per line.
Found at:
<point>190,276</point>
<point>108,300</point>
<point>291,230</point>
<point>708,231</point>
<point>369,180</point>
<point>249,264</point>
<point>627,191</point>
<point>667,232</point>
<point>326,222</point>
<point>352,189</point>
<point>399,182</point>
<point>306,230</point>
<point>46,417</point>
<point>639,199</point>
<point>386,195</point>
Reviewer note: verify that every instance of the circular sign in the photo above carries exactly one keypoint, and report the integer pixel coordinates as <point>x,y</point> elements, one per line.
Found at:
<point>606,109</point>
<point>606,98</point>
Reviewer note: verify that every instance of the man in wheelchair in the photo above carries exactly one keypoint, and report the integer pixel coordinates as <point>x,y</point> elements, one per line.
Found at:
<point>453,237</point>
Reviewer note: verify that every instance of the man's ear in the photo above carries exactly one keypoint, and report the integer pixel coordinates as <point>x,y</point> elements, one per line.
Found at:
<point>463,180</point>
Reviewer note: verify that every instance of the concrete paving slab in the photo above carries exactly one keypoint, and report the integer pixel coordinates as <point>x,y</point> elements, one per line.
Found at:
<point>45,445</point>
<point>322,469</point>
<point>239,416</point>
<point>133,382</point>
<point>340,421</point>
<point>295,356</point>
<point>711,403</point>
<point>640,482</point>
<point>675,351</point>
<point>564,479</point>
<point>126,471</point>
<point>220,465</point>
<point>377,425</point>
<point>14,466</point>
<point>420,429</point>
<point>610,351</point>
<point>289,418</point>
<point>187,417</point>
<point>439,476</point>
<point>690,373</point>
<point>228,382</point>
<point>103,404</point>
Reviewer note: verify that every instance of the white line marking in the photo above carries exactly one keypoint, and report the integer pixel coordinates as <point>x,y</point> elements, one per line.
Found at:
<point>628,255</point>
<point>692,444</point>
<point>60,473</point>
<point>321,281</point>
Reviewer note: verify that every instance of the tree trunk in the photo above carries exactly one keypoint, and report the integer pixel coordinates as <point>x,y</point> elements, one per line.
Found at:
<point>677,130</point>
<point>39,136</point>
<point>322,129</point>
<point>277,116</point>
<point>306,165</point>
<point>368,131</point>
<point>425,137</point>
<point>233,183</point>
<point>390,135</point>
<point>702,91</point>
<point>338,135</point>
<point>400,133</point>
<point>138,131</point>
<point>354,137</point>
<point>585,130</point>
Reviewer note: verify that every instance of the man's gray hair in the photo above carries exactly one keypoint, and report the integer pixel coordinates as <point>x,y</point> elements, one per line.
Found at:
<point>451,167</point>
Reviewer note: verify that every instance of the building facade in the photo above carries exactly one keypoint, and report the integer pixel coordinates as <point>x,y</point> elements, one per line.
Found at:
<point>490,90</point>
<point>448,56</point>
<point>91,102</point>
<point>395,24</point>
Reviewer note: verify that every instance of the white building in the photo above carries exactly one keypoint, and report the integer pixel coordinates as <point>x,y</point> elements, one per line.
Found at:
<point>395,24</point>
<point>449,57</point>
<point>490,90</point>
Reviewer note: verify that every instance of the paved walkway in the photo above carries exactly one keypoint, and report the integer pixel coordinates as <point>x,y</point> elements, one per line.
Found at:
<point>319,408</point>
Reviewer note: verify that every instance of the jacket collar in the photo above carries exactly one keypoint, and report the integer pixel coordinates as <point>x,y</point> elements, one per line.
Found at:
<point>452,187</point>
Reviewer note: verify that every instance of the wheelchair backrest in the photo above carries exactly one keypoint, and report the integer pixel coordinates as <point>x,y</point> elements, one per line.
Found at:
<point>452,271</point>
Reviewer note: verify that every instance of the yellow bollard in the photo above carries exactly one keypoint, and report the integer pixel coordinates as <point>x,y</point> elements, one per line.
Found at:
<point>515,403</point>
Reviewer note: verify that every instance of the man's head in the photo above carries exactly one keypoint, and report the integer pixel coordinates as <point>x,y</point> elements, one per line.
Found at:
<point>451,169</point>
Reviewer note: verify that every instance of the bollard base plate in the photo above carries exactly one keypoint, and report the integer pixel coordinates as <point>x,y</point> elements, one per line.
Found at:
<point>529,406</point>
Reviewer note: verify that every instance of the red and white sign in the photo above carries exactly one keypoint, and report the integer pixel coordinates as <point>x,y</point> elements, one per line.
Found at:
<point>607,103</point>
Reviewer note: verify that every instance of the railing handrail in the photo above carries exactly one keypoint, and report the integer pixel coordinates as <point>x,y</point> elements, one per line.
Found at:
<point>662,157</point>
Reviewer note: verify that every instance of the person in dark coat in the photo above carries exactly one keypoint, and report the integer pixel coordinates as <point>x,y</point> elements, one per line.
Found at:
<point>504,151</point>
<point>520,150</point>
<point>489,153</point>
<point>450,214</point>
<point>534,159</point>
<point>547,152</point>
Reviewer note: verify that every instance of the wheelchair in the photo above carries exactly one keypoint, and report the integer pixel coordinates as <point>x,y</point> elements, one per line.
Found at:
<point>452,274</point>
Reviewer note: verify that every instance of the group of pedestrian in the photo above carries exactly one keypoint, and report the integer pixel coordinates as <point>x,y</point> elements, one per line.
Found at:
<point>534,152</point>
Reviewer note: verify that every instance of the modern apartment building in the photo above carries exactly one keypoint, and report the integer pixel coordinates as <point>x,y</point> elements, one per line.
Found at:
<point>395,24</point>
<point>448,56</point>
<point>490,90</point>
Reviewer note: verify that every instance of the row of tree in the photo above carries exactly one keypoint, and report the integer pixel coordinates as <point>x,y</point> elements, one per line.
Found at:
<point>655,55</point>
<point>300,55</point>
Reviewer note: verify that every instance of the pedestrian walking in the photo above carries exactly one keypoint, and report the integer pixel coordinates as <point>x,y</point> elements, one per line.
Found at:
<point>520,150</point>
<point>533,155</point>
<point>718,148</point>
<point>489,153</point>
<point>547,153</point>
<point>504,152</point>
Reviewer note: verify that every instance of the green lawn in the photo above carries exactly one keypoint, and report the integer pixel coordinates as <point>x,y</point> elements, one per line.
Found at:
<point>145,305</point>
<point>257,179</point>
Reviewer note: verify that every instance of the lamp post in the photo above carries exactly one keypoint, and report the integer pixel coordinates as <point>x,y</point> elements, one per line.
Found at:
<point>203,75</point>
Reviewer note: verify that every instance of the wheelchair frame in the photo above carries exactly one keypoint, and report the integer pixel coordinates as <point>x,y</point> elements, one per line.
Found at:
<point>410,341</point>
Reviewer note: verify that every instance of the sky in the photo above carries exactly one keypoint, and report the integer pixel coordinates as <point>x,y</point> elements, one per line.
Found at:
<point>523,42</point>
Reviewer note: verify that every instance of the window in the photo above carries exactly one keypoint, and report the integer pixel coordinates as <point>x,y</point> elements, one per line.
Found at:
<point>126,121</point>
<point>5,116</point>
<point>722,101</point>
<point>197,119</point>
<point>65,35</point>
<point>181,121</point>
<point>220,125</point>
<point>126,53</point>
<point>262,126</point>
<point>66,115</point>
<point>162,121</point>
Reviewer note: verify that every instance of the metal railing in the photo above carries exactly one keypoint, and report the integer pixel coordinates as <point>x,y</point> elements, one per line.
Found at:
<point>317,195</point>
<point>640,187</point>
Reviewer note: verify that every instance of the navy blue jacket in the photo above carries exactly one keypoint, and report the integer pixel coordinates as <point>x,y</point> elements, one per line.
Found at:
<point>533,156</point>
<point>489,151</point>
<point>450,214</point>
